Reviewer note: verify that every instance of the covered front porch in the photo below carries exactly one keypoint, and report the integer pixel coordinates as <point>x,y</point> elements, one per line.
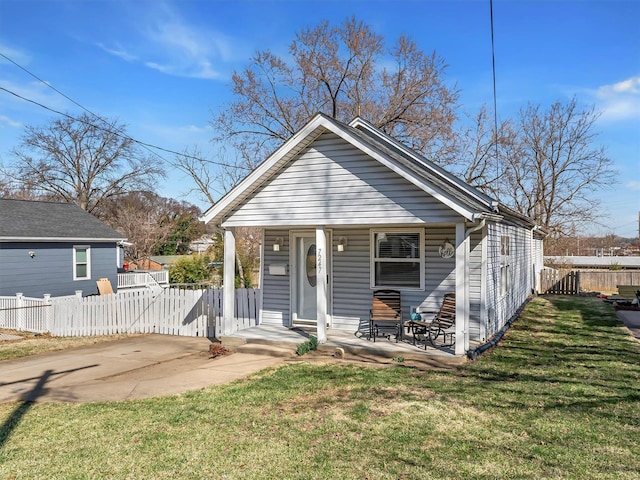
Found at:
<point>343,344</point>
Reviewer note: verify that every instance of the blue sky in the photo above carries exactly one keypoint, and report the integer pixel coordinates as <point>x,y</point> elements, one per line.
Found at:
<point>164,67</point>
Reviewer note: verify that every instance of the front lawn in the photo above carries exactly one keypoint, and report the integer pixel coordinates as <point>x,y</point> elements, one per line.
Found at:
<point>559,398</point>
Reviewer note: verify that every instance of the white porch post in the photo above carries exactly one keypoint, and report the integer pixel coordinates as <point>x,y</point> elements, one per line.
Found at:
<point>228,279</point>
<point>321,285</point>
<point>462,297</point>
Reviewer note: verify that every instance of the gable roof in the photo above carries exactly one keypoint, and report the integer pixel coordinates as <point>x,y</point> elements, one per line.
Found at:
<point>467,201</point>
<point>26,220</point>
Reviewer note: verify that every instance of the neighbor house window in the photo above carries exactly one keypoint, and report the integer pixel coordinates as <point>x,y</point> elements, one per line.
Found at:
<point>397,259</point>
<point>505,261</point>
<point>81,262</point>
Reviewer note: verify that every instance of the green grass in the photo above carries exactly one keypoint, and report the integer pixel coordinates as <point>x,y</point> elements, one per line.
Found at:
<point>559,398</point>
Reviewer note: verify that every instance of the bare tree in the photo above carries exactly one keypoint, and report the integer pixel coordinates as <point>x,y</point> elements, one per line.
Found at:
<point>481,151</point>
<point>82,160</point>
<point>137,216</point>
<point>214,178</point>
<point>343,71</point>
<point>554,166</point>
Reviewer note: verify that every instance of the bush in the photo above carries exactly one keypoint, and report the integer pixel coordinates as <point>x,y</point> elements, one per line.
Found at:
<point>190,269</point>
<point>308,346</point>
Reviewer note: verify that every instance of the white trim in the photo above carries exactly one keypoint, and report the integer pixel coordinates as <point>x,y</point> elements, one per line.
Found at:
<point>58,239</point>
<point>372,259</point>
<point>75,263</point>
<point>407,175</point>
<point>462,300</point>
<point>229,326</point>
<point>316,126</point>
<point>293,273</point>
<point>323,249</point>
<point>361,124</point>
<point>484,276</point>
<point>255,176</point>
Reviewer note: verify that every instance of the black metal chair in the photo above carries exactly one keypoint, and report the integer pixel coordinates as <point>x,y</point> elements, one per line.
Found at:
<point>440,326</point>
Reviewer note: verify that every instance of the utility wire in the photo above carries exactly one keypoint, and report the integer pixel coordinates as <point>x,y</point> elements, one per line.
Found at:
<point>146,146</point>
<point>28,72</point>
<point>495,101</point>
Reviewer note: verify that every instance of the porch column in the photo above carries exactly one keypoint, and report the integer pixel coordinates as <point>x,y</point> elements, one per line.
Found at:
<point>462,297</point>
<point>228,282</point>
<point>321,283</point>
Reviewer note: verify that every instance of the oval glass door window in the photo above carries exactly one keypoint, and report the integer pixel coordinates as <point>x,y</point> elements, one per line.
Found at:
<point>311,265</point>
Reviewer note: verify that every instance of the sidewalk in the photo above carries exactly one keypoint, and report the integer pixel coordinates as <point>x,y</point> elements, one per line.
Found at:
<point>139,367</point>
<point>631,319</point>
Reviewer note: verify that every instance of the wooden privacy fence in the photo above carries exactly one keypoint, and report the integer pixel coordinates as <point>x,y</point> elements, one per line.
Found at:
<point>560,282</point>
<point>172,311</point>
<point>608,281</point>
<point>572,282</point>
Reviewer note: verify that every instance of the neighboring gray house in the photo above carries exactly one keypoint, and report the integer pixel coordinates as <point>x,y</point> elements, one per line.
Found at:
<point>347,210</point>
<point>54,248</point>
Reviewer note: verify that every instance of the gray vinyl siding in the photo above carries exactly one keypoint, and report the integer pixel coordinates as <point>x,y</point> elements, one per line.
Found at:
<point>51,269</point>
<point>351,273</point>
<point>331,182</point>
<point>276,294</point>
<point>351,289</point>
<point>500,308</point>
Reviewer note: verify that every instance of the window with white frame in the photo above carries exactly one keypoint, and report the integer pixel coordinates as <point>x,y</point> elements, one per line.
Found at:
<point>81,262</point>
<point>505,261</point>
<point>397,258</point>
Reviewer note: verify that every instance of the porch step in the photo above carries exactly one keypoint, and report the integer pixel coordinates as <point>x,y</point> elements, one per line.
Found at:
<point>370,353</point>
<point>237,342</point>
<point>268,350</point>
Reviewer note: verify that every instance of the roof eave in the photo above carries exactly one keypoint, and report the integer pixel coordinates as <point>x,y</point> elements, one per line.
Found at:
<point>61,239</point>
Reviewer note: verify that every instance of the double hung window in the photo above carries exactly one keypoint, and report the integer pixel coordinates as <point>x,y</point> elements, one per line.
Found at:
<point>81,262</point>
<point>505,262</point>
<point>397,258</point>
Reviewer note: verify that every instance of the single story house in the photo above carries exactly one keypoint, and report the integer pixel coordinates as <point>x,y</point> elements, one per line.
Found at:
<point>54,248</point>
<point>346,210</point>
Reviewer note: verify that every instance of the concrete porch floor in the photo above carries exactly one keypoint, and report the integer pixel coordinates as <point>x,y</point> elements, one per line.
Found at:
<point>282,341</point>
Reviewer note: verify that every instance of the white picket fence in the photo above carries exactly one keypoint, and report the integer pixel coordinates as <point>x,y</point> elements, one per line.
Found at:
<point>172,311</point>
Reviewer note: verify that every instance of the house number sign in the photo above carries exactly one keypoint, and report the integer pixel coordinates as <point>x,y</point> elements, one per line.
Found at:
<point>446,250</point>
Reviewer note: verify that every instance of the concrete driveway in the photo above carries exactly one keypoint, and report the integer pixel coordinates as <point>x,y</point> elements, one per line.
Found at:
<point>138,367</point>
<point>631,319</point>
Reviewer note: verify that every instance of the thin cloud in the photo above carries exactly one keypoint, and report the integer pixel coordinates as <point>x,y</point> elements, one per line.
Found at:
<point>633,185</point>
<point>118,51</point>
<point>619,101</point>
<point>12,123</point>
<point>35,91</point>
<point>169,44</point>
<point>19,56</point>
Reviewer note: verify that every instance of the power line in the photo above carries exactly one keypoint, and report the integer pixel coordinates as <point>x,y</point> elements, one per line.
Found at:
<point>118,134</point>
<point>145,145</point>
<point>495,101</point>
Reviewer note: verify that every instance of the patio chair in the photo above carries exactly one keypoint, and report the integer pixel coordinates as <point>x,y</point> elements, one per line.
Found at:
<point>440,326</point>
<point>385,314</point>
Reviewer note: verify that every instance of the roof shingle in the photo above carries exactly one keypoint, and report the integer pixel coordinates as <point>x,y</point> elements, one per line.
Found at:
<point>36,220</point>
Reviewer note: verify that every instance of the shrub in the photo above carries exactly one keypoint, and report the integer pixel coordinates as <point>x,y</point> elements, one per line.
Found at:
<point>190,269</point>
<point>308,346</point>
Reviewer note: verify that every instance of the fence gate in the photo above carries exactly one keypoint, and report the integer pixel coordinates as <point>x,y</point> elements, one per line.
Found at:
<point>560,282</point>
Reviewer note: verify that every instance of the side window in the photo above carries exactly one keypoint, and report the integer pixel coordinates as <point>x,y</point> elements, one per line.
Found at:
<point>81,262</point>
<point>505,263</point>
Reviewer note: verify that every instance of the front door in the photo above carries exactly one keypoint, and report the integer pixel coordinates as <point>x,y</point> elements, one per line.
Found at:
<point>305,279</point>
